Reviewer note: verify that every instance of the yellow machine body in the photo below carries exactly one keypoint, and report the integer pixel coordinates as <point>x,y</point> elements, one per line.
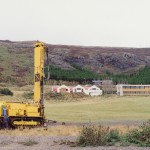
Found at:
<point>14,114</point>
<point>39,52</point>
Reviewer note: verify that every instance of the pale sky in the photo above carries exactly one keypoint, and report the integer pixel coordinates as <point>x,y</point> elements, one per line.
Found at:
<point>122,23</point>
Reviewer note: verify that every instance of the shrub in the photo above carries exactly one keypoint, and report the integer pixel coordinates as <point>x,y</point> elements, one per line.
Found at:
<point>104,136</point>
<point>28,95</point>
<point>6,91</point>
<point>97,136</point>
<point>140,137</point>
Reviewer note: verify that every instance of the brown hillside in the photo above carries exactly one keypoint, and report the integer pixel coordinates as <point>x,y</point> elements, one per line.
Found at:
<point>16,59</point>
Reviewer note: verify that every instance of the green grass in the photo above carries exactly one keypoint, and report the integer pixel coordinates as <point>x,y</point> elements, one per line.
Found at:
<point>13,61</point>
<point>100,109</point>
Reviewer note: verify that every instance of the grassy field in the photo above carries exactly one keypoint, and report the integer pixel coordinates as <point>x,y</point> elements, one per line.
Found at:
<point>97,109</point>
<point>91,109</point>
<point>117,112</point>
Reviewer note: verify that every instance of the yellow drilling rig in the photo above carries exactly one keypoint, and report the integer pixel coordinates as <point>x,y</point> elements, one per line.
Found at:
<point>16,114</point>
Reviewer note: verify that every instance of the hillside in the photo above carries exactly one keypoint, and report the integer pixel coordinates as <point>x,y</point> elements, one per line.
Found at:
<point>16,60</point>
<point>100,59</point>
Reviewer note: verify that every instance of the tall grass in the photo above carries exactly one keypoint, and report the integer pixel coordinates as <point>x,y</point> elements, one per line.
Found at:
<point>51,131</point>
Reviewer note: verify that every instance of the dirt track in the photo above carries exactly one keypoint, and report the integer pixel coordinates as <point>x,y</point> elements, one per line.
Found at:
<point>49,143</point>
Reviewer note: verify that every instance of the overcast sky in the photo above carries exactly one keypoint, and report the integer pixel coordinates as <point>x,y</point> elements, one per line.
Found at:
<point>77,22</point>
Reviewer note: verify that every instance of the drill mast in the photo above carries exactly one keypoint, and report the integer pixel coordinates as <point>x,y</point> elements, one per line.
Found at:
<point>39,52</point>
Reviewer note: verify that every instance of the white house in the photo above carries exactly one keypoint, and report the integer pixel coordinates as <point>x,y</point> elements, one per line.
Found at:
<point>92,90</point>
<point>78,89</point>
<point>61,89</point>
<point>87,90</point>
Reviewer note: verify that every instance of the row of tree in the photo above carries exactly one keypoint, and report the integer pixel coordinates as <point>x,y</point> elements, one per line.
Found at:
<point>84,75</point>
<point>78,74</point>
<point>141,77</point>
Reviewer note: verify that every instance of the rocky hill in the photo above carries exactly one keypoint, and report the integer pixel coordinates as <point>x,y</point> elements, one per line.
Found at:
<point>100,59</point>
<point>16,59</point>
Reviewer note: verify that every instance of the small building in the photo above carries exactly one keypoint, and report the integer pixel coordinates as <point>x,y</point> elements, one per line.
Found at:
<point>64,89</point>
<point>92,90</point>
<point>60,89</point>
<point>55,88</point>
<point>87,90</point>
<point>71,89</point>
<point>107,86</point>
<point>128,89</point>
<point>102,82</point>
<point>78,89</point>
<point>109,89</point>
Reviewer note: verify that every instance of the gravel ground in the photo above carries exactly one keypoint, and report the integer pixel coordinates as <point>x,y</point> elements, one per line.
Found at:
<point>49,143</point>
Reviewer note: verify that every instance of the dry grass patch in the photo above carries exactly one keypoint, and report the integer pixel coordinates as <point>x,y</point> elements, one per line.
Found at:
<point>51,131</point>
<point>58,131</point>
<point>123,128</point>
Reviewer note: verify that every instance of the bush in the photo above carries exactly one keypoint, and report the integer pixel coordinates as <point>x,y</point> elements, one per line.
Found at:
<point>6,91</point>
<point>100,136</point>
<point>28,95</point>
<point>139,137</point>
<point>97,136</point>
